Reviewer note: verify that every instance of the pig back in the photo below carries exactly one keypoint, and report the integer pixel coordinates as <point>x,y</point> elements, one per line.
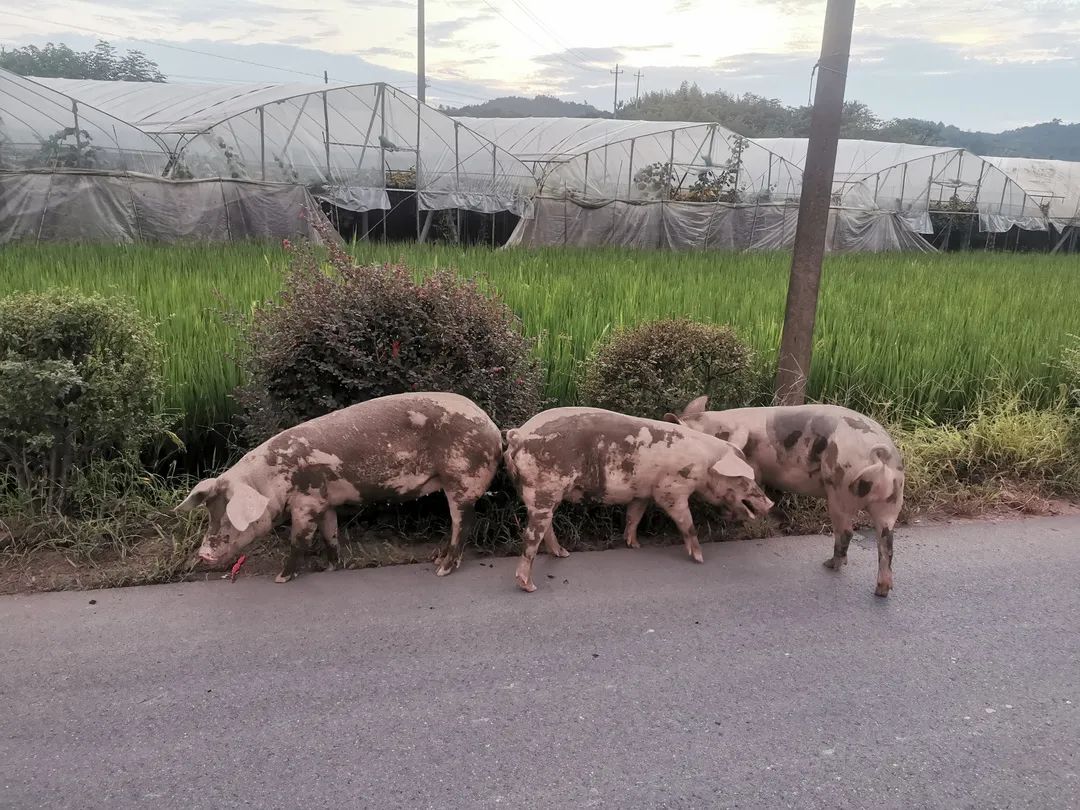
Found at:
<point>396,447</point>
<point>604,455</point>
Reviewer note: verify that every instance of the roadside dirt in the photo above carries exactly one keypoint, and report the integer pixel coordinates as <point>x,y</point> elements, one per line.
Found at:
<point>154,560</point>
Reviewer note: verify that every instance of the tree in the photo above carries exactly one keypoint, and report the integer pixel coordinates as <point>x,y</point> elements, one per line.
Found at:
<point>61,62</point>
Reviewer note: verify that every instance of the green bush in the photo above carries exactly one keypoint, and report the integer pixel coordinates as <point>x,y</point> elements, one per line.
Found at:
<point>662,365</point>
<point>345,334</point>
<point>80,378</point>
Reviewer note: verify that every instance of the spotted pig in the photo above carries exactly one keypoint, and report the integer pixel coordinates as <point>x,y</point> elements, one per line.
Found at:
<point>578,454</point>
<point>393,448</point>
<point>823,451</point>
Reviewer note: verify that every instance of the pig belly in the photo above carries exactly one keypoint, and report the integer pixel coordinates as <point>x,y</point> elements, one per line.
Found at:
<point>796,480</point>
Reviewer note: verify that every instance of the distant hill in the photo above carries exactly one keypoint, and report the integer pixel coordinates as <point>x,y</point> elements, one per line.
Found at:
<point>521,107</point>
<point>1054,140</point>
<point>759,117</point>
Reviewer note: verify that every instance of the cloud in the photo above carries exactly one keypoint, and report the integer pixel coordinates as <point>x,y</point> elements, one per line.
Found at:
<point>444,32</point>
<point>382,51</point>
<point>978,63</point>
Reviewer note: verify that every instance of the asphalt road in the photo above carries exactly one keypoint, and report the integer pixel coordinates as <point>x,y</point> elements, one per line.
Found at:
<point>632,679</point>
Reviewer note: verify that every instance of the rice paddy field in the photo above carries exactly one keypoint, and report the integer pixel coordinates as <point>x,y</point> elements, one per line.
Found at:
<point>926,334</point>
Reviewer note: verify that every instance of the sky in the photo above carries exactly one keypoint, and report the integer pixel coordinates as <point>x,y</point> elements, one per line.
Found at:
<point>978,65</point>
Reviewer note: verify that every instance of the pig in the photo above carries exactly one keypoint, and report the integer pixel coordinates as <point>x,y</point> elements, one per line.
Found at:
<point>392,448</point>
<point>578,454</point>
<point>823,451</point>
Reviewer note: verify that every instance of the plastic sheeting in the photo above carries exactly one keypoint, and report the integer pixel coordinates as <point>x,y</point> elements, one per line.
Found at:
<point>913,181</point>
<point>74,206</point>
<point>347,143</point>
<point>600,160</point>
<point>1054,184</point>
<point>678,185</point>
<point>43,129</point>
<point>705,226</point>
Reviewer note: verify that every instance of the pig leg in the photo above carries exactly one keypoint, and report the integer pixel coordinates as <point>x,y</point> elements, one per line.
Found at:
<point>843,525</point>
<point>884,516</point>
<point>551,543</point>
<point>634,513</point>
<point>540,516</point>
<point>328,526</point>
<point>678,509</point>
<point>304,525</point>
<point>448,559</point>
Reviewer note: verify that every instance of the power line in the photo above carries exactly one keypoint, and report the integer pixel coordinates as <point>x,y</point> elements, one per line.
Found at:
<point>559,56</point>
<point>540,23</point>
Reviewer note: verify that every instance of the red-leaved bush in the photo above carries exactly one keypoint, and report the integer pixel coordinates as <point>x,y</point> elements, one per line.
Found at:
<point>341,333</point>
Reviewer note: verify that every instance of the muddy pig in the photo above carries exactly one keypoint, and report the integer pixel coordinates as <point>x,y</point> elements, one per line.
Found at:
<point>823,451</point>
<point>393,448</point>
<point>578,454</point>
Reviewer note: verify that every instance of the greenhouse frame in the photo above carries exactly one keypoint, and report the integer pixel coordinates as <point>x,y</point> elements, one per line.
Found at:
<point>694,185</point>
<point>357,147</point>
<point>130,161</point>
<point>660,184</point>
<point>920,183</point>
<point>1055,185</point>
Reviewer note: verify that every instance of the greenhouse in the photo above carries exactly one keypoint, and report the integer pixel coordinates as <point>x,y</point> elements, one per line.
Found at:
<point>1055,185</point>
<point>693,185</point>
<point>648,184</point>
<point>358,148</point>
<point>935,191</point>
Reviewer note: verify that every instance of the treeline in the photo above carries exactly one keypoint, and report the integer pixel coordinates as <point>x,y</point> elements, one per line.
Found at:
<point>103,63</point>
<point>759,117</point>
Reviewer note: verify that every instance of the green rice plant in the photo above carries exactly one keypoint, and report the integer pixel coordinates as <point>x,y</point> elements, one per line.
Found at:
<point>917,335</point>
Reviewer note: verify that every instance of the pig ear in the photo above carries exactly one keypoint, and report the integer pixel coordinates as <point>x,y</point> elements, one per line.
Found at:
<point>203,491</point>
<point>732,465</point>
<point>670,417</point>
<point>696,407</point>
<point>245,506</point>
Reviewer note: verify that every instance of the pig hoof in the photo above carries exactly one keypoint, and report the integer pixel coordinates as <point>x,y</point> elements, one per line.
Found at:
<point>881,590</point>
<point>697,556</point>
<point>562,552</point>
<point>834,563</point>
<point>525,584</point>
<point>282,578</point>
<point>633,544</point>
<point>447,567</point>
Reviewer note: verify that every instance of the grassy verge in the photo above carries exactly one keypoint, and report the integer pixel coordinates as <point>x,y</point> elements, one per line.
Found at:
<point>1002,458</point>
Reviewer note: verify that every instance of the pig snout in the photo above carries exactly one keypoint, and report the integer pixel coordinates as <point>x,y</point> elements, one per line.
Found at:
<point>208,553</point>
<point>756,507</point>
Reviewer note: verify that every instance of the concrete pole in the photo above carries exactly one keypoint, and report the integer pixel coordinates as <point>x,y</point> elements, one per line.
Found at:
<point>796,345</point>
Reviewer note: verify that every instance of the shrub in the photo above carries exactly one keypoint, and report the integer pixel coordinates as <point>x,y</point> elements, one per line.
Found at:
<point>1071,362</point>
<point>355,333</point>
<point>662,365</point>
<point>80,378</point>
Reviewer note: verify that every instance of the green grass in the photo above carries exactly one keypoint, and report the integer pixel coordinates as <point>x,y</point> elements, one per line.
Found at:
<point>927,334</point>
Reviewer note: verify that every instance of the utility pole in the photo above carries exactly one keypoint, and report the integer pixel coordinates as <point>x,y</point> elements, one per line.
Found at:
<point>421,74</point>
<point>637,88</point>
<point>616,71</point>
<point>797,341</point>
<point>325,77</point>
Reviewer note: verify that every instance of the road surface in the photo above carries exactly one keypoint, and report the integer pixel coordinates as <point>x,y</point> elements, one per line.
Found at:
<point>632,679</point>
